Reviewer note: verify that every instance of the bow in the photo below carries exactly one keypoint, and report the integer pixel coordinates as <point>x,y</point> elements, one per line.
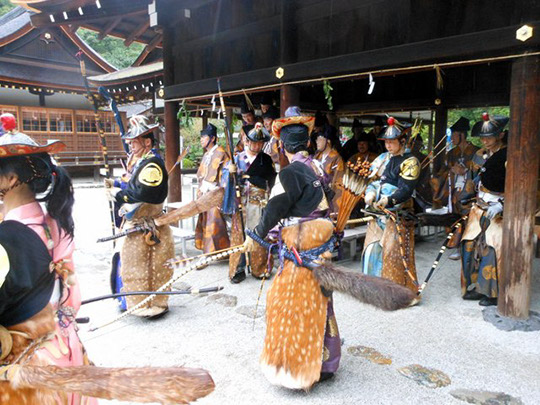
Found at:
<point>235,176</point>
<point>101,132</point>
<point>118,118</point>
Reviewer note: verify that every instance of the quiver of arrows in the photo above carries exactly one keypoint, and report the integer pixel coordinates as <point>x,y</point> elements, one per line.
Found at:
<point>354,184</point>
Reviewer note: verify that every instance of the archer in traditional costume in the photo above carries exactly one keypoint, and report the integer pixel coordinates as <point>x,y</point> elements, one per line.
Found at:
<point>389,245</point>
<point>39,292</point>
<point>482,238</point>
<point>256,174</point>
<point>455,179</point>
<point>211,230</point>
<point>453,185</point>
<point>363,154</point>
<point>143,256</point>
<point>330,160</point>
<point>302,343</point>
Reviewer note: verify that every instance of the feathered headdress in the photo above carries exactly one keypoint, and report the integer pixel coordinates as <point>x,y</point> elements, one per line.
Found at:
<point>489,126</point>
<point>138,126</point>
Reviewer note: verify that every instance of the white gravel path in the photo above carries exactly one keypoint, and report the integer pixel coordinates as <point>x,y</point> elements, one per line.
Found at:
<point>444,332</point>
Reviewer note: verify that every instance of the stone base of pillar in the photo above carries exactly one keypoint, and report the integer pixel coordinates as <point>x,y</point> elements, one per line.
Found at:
<point>531,324</point>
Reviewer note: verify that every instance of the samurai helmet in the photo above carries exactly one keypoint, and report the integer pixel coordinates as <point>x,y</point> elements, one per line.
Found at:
<point>138,126</point>
<point>489,126</point>
<point>394,129</point>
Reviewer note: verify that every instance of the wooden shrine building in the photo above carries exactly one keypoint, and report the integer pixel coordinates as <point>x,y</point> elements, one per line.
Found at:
<point>41,84</point>
<point>420,54</point>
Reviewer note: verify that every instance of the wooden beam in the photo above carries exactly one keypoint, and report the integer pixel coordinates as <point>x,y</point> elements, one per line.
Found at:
<point>109,27</point>
<point>520,189</point>
<point>43,20</point>
<point>139,31</point>
<point>147,49</point>
<point>486,43</point>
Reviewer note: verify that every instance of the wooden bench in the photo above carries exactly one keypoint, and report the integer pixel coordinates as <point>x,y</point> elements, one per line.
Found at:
<point>351,237</point>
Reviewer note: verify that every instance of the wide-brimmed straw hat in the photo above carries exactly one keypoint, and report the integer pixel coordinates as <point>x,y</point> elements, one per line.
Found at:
<point>279,123</point>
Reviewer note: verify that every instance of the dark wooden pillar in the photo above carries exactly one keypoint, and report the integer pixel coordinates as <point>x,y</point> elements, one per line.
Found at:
<point>172,127</point>
<point>289,96</point>
<point>441,122</point>
<point>172,150</point>
<point>520,189</point>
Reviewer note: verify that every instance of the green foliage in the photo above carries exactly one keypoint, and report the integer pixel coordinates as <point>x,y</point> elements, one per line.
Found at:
<point>327,88</point>
<point>184,116</point>
<point>112,49</point>
<point>192,138</point>
<point>5,6</point>
<point>475,115</point>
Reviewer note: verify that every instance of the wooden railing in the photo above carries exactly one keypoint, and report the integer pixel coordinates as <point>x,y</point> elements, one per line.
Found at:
<point>77,158</point>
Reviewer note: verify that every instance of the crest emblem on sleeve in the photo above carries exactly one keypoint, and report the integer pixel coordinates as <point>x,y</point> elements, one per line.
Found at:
<point>151,175</point>
<point>410,169</point>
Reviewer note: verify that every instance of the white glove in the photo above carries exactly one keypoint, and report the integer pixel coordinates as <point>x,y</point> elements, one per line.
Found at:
<point>111,193</point>
<point>493,210</point>
<point>369,198</point>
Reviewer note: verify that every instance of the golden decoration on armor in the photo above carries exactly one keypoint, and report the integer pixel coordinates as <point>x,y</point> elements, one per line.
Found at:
<point>354,184</point>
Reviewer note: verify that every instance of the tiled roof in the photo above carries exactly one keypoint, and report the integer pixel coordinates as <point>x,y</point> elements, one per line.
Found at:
<point>13,21</point>
<point>128,74</point>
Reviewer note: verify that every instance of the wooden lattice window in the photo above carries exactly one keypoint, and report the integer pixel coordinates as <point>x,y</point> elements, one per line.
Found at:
<point>35,120</point>
<point>86,123</point>
<point>11,110</point>
<point>60,121</point>
<point>109,123</point>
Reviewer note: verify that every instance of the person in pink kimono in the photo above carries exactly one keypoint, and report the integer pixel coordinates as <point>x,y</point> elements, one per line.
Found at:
<point>39,292</point>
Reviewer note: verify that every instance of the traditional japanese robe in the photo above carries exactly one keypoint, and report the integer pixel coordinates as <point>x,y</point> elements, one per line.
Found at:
<point>302,337</point>
<point>211,230</point>
<point>482,238</point>
<point>258,177</point>
<point>461,186</point>
<point>143,266</point>
<point>389,245</point>
<point>334,168</point>
<point>363,157</point>
<point>63,348</point>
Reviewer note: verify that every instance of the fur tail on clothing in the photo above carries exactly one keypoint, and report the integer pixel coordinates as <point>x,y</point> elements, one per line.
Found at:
<point>176,385</point>
<point>376,291</point>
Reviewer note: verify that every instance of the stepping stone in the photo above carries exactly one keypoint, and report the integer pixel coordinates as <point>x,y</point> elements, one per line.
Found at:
<point>369,353</point>
<point>428,377</point>
<point>224,299</point>
<point>181,286</point>
<point>249,311</point>
<point>485,397</point>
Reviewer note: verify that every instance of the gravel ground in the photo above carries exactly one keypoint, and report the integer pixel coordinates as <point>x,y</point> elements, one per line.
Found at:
<point>444,333</point>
